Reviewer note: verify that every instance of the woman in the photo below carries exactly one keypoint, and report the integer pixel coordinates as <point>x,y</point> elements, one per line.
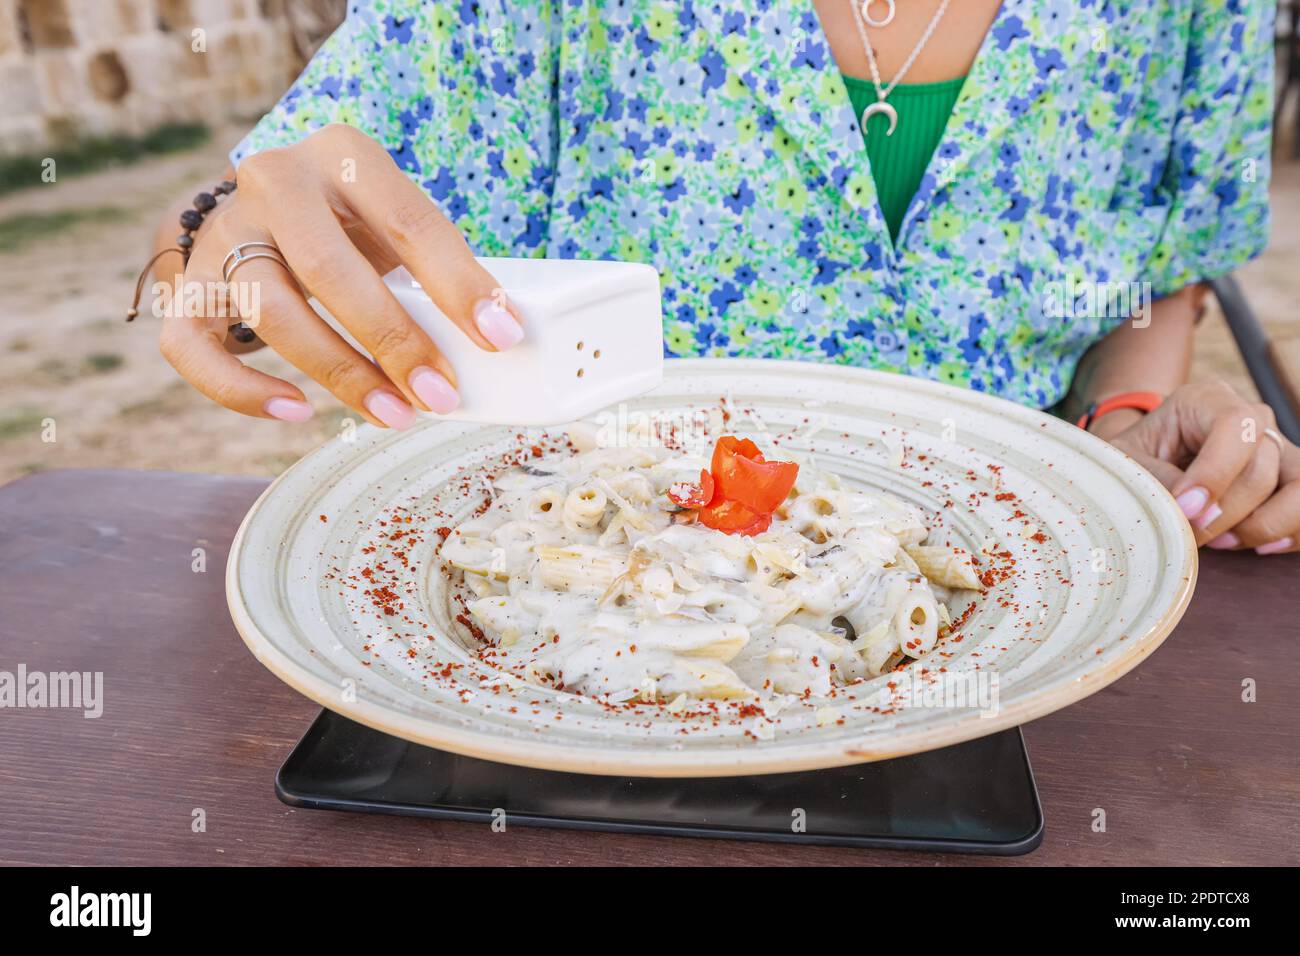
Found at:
<point>1031,171</point>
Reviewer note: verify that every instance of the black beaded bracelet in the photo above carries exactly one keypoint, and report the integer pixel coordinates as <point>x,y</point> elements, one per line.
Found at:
<point>191,220</point>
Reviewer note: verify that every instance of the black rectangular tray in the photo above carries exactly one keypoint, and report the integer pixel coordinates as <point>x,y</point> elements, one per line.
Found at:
<point>975,797</point>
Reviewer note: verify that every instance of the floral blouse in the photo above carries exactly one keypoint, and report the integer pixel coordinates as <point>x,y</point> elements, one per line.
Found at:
<point>1101,142</point>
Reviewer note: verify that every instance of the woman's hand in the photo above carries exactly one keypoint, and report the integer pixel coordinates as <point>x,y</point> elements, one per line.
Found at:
<point>1235,477</point>
<point>341,214</point>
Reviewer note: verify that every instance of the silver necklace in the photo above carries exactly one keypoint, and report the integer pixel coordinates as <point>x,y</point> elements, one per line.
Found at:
<point>862,16</point>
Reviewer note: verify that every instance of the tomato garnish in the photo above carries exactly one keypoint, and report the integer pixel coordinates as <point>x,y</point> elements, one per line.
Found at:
<point>686,495</point>
<point>740,490</point>
<point>734,518</point>
<point>743,475</point>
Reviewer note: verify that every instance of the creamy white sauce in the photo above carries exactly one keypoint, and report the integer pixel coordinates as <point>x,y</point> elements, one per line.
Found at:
<point>580,576</point>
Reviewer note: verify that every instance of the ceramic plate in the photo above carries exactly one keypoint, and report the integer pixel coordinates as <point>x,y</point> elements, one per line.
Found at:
<point>335,585</point>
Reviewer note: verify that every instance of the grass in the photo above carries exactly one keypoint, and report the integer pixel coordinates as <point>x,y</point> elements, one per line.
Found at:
<point>55,371</point>
<point>60,371</point>
<point>99,152</point>
<point>171,399</point>
<point>26,228</point>
<point>23,422</point>
<point>104,361</point>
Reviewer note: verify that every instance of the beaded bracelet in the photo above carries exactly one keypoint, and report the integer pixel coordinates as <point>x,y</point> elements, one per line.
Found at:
<point>191,220</point>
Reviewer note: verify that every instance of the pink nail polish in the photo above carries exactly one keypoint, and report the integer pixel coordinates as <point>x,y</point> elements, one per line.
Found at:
<point>1209,516</point>
<point>1224,542</point>
<point>1273,547</point>
<point>1193,501</point>
<point>390,409</point>
<point>434,390</point>
<point>288,409</point>
<point>497,325</point>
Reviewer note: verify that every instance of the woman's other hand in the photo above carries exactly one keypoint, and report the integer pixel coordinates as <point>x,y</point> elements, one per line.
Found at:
<point>341,214</point>
<point>1221,457</point>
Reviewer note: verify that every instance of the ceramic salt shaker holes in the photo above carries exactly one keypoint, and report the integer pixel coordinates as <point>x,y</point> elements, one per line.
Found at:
<point>593,337</point>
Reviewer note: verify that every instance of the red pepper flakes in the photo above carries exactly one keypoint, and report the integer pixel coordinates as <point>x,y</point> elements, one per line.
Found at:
<point>390,584</point>
<point>465,621</point>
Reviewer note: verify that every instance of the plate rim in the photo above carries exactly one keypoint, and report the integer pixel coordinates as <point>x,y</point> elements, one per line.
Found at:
<point>542,754</point>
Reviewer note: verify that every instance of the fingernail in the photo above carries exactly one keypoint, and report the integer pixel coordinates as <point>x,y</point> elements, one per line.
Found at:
<point>288,409</point>
<point>1224,541</point>
<point>1273,547</point>
<point>497,325</point>
<point>1208,517</point>
<point>1193,501</point>
<point>390,409</point>
<point>434,390</point>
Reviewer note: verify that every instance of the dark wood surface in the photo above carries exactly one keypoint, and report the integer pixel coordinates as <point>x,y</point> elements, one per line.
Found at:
<point>96,575</point>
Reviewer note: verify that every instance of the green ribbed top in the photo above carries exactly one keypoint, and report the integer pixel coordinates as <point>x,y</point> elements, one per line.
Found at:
<point>899,161</point>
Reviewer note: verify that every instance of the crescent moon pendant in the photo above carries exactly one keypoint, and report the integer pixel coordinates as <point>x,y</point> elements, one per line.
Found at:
<point>880,106</point>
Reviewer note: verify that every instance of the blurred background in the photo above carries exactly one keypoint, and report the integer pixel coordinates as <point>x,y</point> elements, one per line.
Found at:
<point>135,116</point>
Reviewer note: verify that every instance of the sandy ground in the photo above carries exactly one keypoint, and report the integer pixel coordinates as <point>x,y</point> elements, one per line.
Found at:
<point>66,356</point>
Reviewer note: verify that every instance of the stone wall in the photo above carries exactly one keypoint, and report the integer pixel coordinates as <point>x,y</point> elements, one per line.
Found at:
<point>71,68</point>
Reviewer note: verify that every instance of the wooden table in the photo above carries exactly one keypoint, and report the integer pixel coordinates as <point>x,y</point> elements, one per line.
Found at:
<point>96,574</point>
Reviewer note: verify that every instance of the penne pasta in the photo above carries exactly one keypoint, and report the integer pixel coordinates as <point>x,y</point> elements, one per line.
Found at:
<point>582,575</point>
<point>584,507</point>
<point>579,568</point>
<point>950,567</point>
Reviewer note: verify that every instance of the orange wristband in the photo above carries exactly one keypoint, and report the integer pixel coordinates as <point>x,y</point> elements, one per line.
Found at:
<point>1142,401</point>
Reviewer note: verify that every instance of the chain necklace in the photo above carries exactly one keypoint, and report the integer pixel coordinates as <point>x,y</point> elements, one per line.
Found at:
<point>862,12</point>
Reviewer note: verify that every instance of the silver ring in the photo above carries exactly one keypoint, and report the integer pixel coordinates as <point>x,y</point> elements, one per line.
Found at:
<point>238,256</point>
<point>1271,433</point>
<point>256,255</point>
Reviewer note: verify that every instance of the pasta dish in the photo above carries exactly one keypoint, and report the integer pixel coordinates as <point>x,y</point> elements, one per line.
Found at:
<point>624,573</point>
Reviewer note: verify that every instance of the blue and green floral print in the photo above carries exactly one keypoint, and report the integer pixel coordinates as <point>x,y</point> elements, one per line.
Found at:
<point>1094,141</point>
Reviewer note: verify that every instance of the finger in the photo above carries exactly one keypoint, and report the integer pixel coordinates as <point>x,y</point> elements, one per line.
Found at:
<point>398,212</point>
<point>1274,527</point>
<point>1167,474</point>
<point>289,325</point>
<point>195,349</point>
<point>204,247</point>
<point>1253,487</point>
<point>267,298</point>
<point>332,269</point>
<point>1221,456</point>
